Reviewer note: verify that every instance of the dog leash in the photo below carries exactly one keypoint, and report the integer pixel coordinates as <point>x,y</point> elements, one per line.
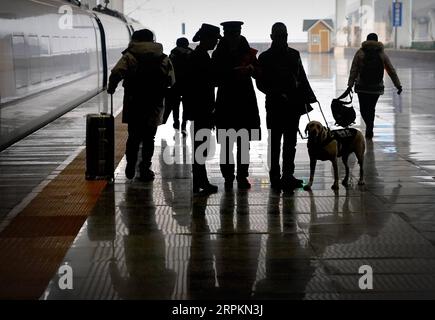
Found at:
<point>309,119</point>
<point>321,110</point>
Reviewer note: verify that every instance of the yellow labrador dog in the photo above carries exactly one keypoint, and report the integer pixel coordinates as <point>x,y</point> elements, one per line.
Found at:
<point>324,144</point>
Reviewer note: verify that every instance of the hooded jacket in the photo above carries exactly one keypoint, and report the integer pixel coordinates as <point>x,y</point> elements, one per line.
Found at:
<point>358,66</point>
<point>141,104</point>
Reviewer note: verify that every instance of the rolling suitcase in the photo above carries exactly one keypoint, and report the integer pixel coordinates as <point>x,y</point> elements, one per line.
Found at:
<point>100,145</point>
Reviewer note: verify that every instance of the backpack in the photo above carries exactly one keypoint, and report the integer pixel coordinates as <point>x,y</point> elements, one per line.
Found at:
<point>149,80</point>
<point>372,72</point>
<point>343,114</point>
<point>180,61</point>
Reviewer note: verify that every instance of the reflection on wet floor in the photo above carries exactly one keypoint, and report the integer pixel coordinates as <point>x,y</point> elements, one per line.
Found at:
<point>156,241</point>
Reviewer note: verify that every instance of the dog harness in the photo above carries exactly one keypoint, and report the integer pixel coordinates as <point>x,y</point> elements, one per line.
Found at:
<point>344,138</point>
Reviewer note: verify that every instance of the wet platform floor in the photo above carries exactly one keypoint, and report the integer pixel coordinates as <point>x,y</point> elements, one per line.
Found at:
<point>156,241</point>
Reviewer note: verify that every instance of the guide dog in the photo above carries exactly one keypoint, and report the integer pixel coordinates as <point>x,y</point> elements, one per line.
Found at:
<point>324,144</point>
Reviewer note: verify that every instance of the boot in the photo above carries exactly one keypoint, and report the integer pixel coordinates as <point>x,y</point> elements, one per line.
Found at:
<point>146,175</point>
<point>290,183</point>
<point>130,170</point>
<point>204,188</point>
<point>243,183</point>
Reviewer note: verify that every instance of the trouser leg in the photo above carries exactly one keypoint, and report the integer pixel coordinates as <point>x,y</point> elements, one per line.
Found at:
<point>289,151</point>
<point>274,153</point>
<point>242,158</point>
<point>226,156</point>
<point>184,120</point>
<point>199,170</point>
<point>132,145</point>
<point>176,109</point>
<point>148,136</point>
<point>367,108</point>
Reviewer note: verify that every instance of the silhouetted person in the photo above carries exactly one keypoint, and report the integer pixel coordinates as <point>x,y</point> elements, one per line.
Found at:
<point>147,73</point>
<point>283,80</point>
<point>200,102</point>
<point>236,103</point>
<point>179,56</point>
<point>367,74</point>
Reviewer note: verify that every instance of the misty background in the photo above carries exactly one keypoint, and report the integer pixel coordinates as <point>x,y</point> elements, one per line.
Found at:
<point>165,17</point>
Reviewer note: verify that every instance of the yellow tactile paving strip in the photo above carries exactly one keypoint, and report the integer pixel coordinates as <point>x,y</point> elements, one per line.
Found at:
<point>37,239</point>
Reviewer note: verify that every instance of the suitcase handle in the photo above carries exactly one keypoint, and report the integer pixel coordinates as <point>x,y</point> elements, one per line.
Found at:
<point>111,104</point>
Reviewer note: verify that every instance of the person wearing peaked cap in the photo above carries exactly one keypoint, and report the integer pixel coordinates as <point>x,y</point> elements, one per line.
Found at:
<point>200,103</point>
<point>236,104</point>
<point>207,31</point>
<point>232,25</point>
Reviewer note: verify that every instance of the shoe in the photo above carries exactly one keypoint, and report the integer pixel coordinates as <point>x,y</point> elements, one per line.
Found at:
<point>291,183</point>
<point>206,188</point>
<point>275,185</point>
<point>275,182</point>
<point>243,183</point>
<point>130,170</point>
<point>369,134</point>
<point>146,175</point>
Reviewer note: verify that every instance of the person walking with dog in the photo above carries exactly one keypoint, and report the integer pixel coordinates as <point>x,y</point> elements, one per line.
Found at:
<point>199,103</point>
<point>147,73</point>
<point>288,95</point>
<point>235,63</point>
<point>367,73</point>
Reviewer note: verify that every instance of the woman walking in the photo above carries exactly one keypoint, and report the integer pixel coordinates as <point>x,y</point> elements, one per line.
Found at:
<point>367,74</point>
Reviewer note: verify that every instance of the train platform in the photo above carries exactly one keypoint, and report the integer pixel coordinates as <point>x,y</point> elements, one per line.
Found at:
<point>135,240</point>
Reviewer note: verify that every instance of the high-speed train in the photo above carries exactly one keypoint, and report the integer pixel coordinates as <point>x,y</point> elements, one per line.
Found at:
<point>54,55</point>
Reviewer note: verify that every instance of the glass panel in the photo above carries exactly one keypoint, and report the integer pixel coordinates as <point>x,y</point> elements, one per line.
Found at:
<point>20,61</point>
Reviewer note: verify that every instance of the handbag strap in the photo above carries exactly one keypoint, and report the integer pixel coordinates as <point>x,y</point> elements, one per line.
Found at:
<point>344,95</point>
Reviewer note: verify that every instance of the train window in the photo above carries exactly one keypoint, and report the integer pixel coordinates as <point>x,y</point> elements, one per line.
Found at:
<point>55,45</point>
<point>57,59</point>
<point>66,44</point>
<point>46,66</point>
<point>33,46</point>
<point>44,45</point>
<point>18,45</point>
<point>20,60</point>
<point>35,72</point>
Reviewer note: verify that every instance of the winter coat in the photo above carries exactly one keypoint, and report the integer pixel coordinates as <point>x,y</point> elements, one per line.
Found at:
<point>199,98</point>
<point>358,66</point>
<point>236,102</point>
<point>179,57</point>
<point>282,78</point>
<point>144,94</point>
